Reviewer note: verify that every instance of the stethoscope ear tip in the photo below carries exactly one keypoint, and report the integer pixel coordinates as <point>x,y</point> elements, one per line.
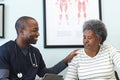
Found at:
<point>35,65</point>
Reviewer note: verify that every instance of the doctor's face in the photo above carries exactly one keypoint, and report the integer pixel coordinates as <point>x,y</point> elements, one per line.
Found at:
<point>31,32</point>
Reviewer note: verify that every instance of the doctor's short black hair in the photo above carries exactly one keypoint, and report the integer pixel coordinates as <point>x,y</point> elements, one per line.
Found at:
<point>21,22</point>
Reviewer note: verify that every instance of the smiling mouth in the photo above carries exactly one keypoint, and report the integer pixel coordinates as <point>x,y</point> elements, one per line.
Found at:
<point>36,38</point>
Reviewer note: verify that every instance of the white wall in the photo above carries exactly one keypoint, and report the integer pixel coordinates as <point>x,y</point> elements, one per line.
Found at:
<point>111,15</point>
<point>16,8</point>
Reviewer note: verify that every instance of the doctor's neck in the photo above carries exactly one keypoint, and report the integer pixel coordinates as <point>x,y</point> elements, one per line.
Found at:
<point>21,43</point>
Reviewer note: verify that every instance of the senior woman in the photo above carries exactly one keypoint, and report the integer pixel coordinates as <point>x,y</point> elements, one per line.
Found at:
<point>95,61</point>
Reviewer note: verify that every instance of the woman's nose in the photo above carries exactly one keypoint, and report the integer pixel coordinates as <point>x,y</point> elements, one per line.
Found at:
<point>86,40</point>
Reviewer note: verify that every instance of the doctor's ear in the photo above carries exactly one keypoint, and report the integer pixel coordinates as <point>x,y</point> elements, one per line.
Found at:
<point>21,31</point>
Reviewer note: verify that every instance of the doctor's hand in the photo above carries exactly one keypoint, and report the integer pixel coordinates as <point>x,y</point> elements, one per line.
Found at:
<point>70,56</point>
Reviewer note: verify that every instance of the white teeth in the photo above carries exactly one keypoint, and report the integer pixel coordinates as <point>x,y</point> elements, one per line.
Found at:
<point>36,38</point>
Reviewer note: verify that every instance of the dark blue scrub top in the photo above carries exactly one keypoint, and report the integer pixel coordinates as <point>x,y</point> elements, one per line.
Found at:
<point>12,58</point>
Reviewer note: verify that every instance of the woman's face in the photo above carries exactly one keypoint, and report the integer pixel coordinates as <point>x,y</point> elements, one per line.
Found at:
<point>90,40</point>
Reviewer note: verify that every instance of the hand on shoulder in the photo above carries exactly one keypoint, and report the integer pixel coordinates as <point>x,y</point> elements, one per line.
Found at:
<point>70,56</point>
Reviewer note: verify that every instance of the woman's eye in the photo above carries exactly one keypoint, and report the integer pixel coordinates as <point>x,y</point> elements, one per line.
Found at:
<point>90,38</point>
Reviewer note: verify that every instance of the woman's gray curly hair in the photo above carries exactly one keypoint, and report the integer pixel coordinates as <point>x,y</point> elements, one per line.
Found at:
<point>98,27</point>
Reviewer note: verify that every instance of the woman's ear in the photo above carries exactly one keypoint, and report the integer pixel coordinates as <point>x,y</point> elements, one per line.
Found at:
<point>100,40</point>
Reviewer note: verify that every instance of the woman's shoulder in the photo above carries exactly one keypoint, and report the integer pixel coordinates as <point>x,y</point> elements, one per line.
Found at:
<point>107,47</point>
<point>79,52</point>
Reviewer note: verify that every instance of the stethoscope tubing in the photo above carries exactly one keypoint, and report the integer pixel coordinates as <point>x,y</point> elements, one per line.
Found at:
<point>33,62</point>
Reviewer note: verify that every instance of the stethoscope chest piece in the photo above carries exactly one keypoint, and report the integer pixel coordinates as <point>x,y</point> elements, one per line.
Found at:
<point>19,75</point>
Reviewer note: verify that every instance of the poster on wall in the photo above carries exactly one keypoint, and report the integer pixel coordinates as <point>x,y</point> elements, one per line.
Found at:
<point>1,20</point>
<point>63,20</point>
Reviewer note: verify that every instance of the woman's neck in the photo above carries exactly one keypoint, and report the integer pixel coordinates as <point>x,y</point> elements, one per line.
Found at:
<point>92,52</point>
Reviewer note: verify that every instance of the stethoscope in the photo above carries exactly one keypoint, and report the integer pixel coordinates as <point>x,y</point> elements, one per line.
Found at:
<point>32,60</point>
